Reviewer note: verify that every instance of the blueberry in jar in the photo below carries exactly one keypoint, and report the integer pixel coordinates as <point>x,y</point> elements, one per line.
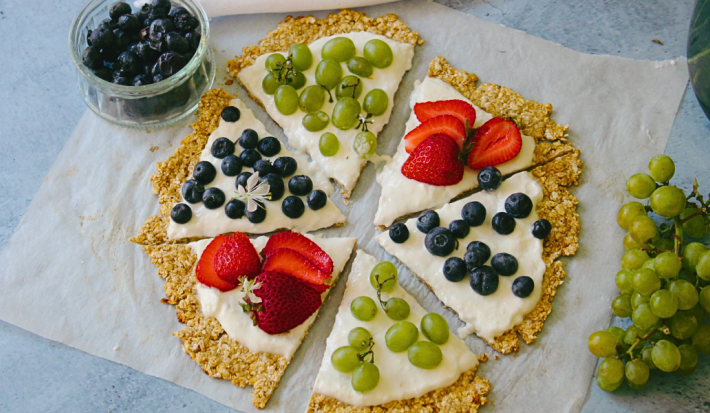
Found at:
<point>170,63</point>
<point>163,4</point>
<point>541,228</point>
<point>102,37</point>
<point>427,221</point>
<point>129,23</point>
<point>269,146</point>
<point>110,54</point>
<point>213,198</point>
<point>459,228</point>
<point>292,207</point>
<point>158,78</point>
<point>176,42</point>
<point>256,216</point>
<point>143,12</point>
<point>222,147</point>
<point>484,280</point>
<point>133,48</point>
<point>159,28</point>
<point>192,191</point>
<point>91,57</point>
<point>249,139</point>
<point>276,186</point>
<point>523,286</point>
<point>454,269</point>
<point>263,166</point>
<point>123,39</point>
<point>185,22</point>
<point>104,73</point>
<point>518,205</point>
<point>119,9</point>
<point>230,114</point>
<point>193,39</point>
<point>249,157</point>
<point>121,80</point>
<point>504,263</point>
<point>316,199</point>
<point>181,214</point>
<point>231,165</point>
<point>204,172</point>
<point>176,10</point>
<point>490,178</point>
<point>300,185</point>
<point>503,223</point>
<point>399,233</point>
<point>285,166</point>
<point>474,213</point>
<point>234,209</point>
<point>440,242</point>
<point>128,64</point>
<point>242,180</point>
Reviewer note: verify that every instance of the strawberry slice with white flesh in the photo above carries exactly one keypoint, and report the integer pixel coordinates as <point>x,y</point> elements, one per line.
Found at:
<point>495,142</point>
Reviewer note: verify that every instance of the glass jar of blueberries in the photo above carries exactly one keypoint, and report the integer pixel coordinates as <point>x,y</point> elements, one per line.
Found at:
<point>142,66</point>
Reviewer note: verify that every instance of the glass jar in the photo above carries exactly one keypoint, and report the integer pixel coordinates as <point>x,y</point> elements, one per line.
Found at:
<point>699,53</point>
<point>149,106</point>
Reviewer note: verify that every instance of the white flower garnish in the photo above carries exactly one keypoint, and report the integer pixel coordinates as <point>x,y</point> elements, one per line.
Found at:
<point>248,287</point>
<point>255,193</point>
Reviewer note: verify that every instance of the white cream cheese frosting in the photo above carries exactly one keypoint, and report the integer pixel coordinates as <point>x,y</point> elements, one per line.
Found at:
<point>492,315</point>
<point>224,306</point>
<point>399,379</point>
<point>402,196</point>
<point>345,166</point>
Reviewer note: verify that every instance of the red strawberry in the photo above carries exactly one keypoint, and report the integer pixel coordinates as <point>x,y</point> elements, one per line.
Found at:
<point>495,142</point>
<point>446,124</point>
<point>435,162</point>
<point>463,111</point>
<point>205,269</point>
<point>302,245</point>
<point>236,258</point>
<point>290,262</point>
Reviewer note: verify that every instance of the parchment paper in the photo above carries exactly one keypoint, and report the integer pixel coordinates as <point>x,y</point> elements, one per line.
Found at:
<point>70,274</point>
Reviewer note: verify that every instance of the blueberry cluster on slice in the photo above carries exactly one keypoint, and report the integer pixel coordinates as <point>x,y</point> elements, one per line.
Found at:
<point>143,47</point>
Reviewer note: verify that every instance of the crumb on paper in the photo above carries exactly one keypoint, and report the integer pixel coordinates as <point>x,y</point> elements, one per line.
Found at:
<point>495,356</point>
<point>116,348</point>
<point>229,82</point>
<point>153,148</point>
<point>657,41</point>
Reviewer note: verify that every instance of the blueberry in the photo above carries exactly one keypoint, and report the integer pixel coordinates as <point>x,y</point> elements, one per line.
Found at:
<point>440,242</point>
<point>193,39</point>
<point>213,198</point>
<point>181,214</point>
<point>107,24</point>
<point>158,78</point>
<point>242,179</point>
<point>231,165</point>
<point>119,9</point>
<point>504,263</point>
<point>176,10</point>
<point>192,191</point>
<point>129,23</point>
<point>292,207</point>
<point>503,223</point>
<point>230,114</point>
<point>484,280</point>
<point>234,209</point>
<point>170,63</point>
<point>176,42</point>
<point>249,157</point>
<point>300,185</point>
<point>399,233</point>
<point>474,213</point>
<point>541,228</point>
<point>159,28</point>
<point>490,178</point>
<point>454,269</point>
<point>259,215</point>
<point>156,13</point>
<point>249,139</point>
<point>102,37</point>
<point>144,34</point>
<point>204,172</point>
<point>143,12</point>
<point>104,73</point>
<point>163,4</point>
<point>478,245</point>
<point>146,52</point>
<point>285,166</point>
<point>110,54</point>
<point>222,147</point>
<point>276,186</point>
<point>269,146</point>
<point>92,58</point>
<point>263,166</point>
<point>518,205</point>
<point>122,80</point>
<point>316,199</point>
<point>475,258</point>
<point>133,48</point>
<point>523,286</point>
<point>459,228</point>
<point>185,22</point>
<point>128,64</point>
<point>427,221</point>
<point>122,39</point>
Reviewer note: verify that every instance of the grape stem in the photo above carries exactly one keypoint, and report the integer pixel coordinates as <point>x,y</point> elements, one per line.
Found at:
<point>645,337</point>
<point>330,96</point>
<point>678,236</point>
<point>379,290</point>
<point>362,356</point>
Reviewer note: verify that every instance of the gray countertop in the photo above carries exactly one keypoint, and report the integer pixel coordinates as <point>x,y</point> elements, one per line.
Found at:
<point>41,107</point>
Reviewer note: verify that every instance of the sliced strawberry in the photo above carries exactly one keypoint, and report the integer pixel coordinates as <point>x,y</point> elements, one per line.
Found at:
<point>463,111</point>
<point>495,142</point>
<point>435,162</point>
<point>290,262</point>
<point>302,245</point>
<point>205,271</point>
<point>446,124</point>
<point>236,258</point>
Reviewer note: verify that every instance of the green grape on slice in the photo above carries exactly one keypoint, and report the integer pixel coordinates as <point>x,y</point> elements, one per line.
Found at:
<point>386,273</point>
<point>663,304</point>
<point>688,359</point>
<point>704,298</point>
<point>643,317</point>
<point>376,102</point>
<point>602,343</point>
<point>379,53</point>
<point>640,186</point>
<point>634,259</point>
<point>661,168</point>
<point>363,308</point>
<point>360,66</point>
<point>365,144</point>
<point>695,227</point>
<point>274,61</point>
<point>611,370</point>
<point>621,306</point>
<point>345,113</point>
<point>365,378</point>
<point>328,73</point>
<point>271,83</point>
<point>642,229</point>
<point>646,356</point>
<point>286,99</point>
<point>315,121</point>
<point>646,282</point>
<point>328,144</point>
<point>397,309</point>
<point>400,336</point>
<point>349,86</point>
<point>606,386</point>
<point>633,333</point>
<point>630,244</point>
<point>683,325</point>
<point>425,355</point>
<point>297,80</point>
<point>311,99</point>
<point>638,299</point>
<point>359,339</point>
<point>667,264</point>
<point>624,281</point>
<point>701,339</point>
<point>691,255</point>
<point>629,211</point>
<point>339,49</point>
<point>637,372</point>
<point>435,328</point>
<point>668,201</point>
<point>301,57</point>
<point>663,243</point>
<point>702,267</point>
<point>686,292</point>
<point>345,359</point>
<point>666,356</point>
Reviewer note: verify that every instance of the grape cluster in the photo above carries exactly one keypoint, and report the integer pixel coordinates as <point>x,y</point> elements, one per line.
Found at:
<point>664,284</point>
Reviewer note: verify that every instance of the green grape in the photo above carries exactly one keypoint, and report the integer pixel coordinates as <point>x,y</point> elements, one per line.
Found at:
<point>365,144</point>
<point>701,339</point>
<point>602,343</point>
<point>621,306</point>
<point>400,336</point>
<point>702,267</point>
<point>667,265</point>
<point>629,242</point>
<point>668,201</point>
<point>386,273</point>
<point>695,227</point>
<point>687,276</point>
<point>637,386</point>
<point>301,57</point>
<point>691,255</point>
<point>629,211</point>
<point>638,299</point>
<point>646,282</point>
<point>664,304</point>
<point>683,325</point>
<point>378,53</point>
<point>633,333</point>
<point>624,281</point>
<point>634,259</point>
<point>345,359</point>
<point>365,377</point>
<point>649,264</point>
<point>663,244</point>
<point>286,99</point>
<point>345,113</point>
<point>349,85</point>
<point>611,370</point>
<point>688,359</point>
<point>315,121</point>
<point>704,298</point>
<point>640,186</point>
<point>274,61</point>
<point>363,308</point>
<point>435,328</point>
<point>642,229</point>
<point>661,168</point>
<point>643,317</point>
<point>297,80</point>
<point>311,99</point>
<point>376,102</point>
<point>606,386</point>
<point>328,144</point>
<point>271,83</point>
<point>698,311</point>
<point>646,356</point>
<point>359,339</point>
<point>328,73</point>
<point>425,355</point>
<point>360,66</point>
<point>686,293</point>
<point>397,309</point>
<point>619,333</point>
<point>666,356</point>
<point>339,49</point>
<point>637,372</point>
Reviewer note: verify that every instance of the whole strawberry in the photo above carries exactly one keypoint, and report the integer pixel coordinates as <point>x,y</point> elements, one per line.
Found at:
<point>435,161</point>
<point>236,258</point>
